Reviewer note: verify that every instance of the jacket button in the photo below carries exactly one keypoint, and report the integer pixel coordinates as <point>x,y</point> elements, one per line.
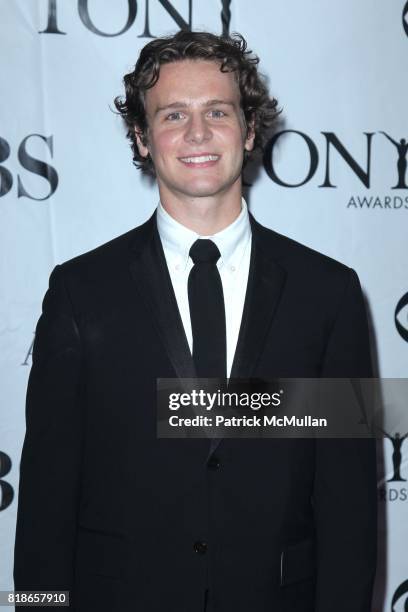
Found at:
<point>200,547</point>
<point>213,463</point>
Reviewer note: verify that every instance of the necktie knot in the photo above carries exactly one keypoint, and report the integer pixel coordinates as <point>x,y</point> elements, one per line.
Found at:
<point>204,251</point>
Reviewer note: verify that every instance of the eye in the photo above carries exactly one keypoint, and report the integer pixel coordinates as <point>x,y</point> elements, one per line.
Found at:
<point>174,116</point>
<point>217,114</point>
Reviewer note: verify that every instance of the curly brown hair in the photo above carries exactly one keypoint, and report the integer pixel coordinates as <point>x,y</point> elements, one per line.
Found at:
<point>229,51</point>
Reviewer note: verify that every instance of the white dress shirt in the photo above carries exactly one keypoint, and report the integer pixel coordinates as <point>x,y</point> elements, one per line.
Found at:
<point>234,244</point>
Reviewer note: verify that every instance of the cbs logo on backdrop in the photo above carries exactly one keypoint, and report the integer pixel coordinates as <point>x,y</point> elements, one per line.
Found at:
<point>401,317</point>
<point>405,18</point>
<point>28,162</point>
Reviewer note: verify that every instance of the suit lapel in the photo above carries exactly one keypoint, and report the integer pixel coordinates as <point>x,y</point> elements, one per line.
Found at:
<point>265,284</point>
<point>149,270</point>
<point>266,281</point>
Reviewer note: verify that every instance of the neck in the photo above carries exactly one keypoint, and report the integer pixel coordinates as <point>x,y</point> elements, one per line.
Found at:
<point>204,215</point>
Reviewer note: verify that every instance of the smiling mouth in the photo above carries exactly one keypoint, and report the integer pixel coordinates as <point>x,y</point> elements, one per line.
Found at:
<point>200,160</point>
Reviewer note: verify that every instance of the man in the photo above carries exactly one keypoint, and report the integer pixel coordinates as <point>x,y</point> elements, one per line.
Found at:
<point>124,520</point>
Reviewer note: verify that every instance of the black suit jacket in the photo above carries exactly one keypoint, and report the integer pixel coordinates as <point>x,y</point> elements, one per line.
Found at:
<point>127,521</point>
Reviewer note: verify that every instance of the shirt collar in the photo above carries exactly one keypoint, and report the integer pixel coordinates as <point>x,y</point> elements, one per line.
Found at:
<point>178,239</point>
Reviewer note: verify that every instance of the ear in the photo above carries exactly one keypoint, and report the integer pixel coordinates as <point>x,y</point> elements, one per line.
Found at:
<point>250,135</point>
<point>143,149</point>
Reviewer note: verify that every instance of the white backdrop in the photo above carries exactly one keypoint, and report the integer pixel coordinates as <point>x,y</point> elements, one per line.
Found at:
<point>67,183</point>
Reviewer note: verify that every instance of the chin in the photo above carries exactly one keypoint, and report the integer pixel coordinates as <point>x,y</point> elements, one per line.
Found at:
<point>202,189</point>
<point>202,193</point>
<point>209,183</point>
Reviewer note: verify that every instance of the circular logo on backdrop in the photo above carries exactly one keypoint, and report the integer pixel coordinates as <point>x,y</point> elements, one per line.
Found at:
<point>405,18</point>
<point>401,317</point>
<point>401,596</point>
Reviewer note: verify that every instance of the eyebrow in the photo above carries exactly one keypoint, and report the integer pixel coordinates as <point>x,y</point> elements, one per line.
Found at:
<point>185,105</point>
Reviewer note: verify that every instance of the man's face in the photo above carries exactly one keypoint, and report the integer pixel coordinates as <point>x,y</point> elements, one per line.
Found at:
<point>196,129</point>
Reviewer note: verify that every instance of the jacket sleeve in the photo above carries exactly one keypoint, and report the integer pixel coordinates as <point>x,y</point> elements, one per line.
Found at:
<point>345,493</point>
<point>51,455</point>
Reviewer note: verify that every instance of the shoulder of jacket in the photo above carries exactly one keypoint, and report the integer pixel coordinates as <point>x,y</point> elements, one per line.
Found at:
<point>107,254</point>
<point>295,256</point>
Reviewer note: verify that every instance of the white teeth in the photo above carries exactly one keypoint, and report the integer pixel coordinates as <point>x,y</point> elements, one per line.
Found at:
<point>200,159</point>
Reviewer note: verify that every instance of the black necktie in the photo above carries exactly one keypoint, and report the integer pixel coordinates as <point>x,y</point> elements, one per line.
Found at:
<point>207,312</point>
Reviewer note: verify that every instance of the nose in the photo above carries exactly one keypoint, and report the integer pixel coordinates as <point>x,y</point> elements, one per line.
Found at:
<point>197,129</point>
